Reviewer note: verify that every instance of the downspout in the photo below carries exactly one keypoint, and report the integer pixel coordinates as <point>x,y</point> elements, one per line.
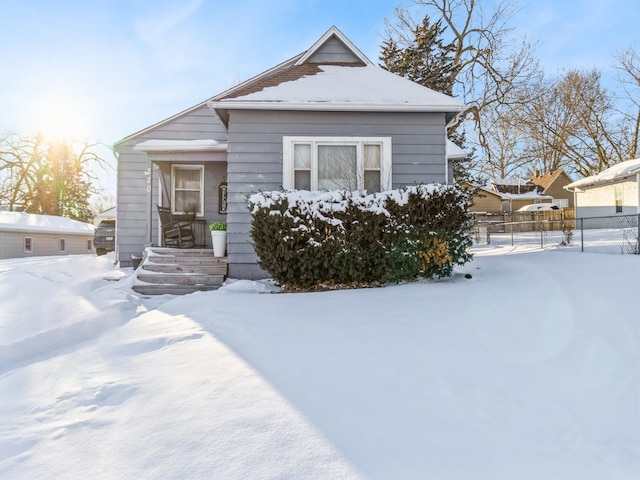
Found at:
<point>446,166</point>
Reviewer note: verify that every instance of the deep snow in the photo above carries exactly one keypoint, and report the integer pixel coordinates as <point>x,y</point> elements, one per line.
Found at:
<point>529,370</point>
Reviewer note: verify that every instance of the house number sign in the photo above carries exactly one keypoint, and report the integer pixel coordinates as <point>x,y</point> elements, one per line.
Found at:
<point>222,198</point>
<point>147,173</point>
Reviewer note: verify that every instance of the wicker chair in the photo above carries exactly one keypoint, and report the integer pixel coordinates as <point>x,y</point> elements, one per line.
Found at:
<point>176,232</point>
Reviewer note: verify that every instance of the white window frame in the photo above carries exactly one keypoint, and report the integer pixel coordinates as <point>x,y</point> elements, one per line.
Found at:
<point>181,166</point>
<point>89,245</point>
<point>288,172</point>
<point>63,244</point>
<point>30,248</point>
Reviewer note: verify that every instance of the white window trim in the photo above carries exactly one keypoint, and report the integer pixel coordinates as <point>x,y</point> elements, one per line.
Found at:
<point>288,142</point>
<point>175,167</point>
<point>28,250</point>
<point>63,244</point>
<point>89,245</point>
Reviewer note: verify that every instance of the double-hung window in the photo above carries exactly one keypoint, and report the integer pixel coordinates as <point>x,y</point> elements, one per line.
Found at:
<point>619,193</point>
<point>187,188</point>
<point>337,163</point>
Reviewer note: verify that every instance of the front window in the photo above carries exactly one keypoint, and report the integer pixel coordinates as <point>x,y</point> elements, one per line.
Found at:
<point>28,244</point>
<point>619,198</point>
<point>187,188</point>
<point>63,244</point>
<point>331,163</point>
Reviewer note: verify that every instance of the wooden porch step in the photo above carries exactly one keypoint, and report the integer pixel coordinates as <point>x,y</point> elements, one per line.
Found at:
<point>216,269</point>
<point>179,271</point>
<point>181,252</point>
<point>181,279</point>
<point>187,260</point>
<point>161,289</point>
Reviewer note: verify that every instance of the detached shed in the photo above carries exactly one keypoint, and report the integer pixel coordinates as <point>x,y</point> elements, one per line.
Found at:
<point>613,191</point>
<point>30,235</point>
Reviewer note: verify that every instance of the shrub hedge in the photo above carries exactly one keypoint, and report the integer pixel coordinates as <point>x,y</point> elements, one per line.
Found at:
<point>307,239</point>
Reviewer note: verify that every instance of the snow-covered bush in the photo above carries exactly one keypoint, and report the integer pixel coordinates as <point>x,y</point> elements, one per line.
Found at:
<point>305,239</point>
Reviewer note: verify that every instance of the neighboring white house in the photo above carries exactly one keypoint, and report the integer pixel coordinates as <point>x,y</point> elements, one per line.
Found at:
<point>27,235</point>
<point>613,191</point>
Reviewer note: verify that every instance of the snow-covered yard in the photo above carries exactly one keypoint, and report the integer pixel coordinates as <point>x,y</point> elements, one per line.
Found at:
<point>528,370</point>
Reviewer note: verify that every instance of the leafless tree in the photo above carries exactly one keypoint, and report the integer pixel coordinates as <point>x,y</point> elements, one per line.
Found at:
<point>629,79</point>
<point>491,66</point>
<point>40,176</point>
<point>573,123</point>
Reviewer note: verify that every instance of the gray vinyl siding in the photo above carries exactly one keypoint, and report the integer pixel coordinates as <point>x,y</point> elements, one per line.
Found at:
<point>255,159</point>
<point>44,244</point>
<point>136,224</point>
<point>333,51</point>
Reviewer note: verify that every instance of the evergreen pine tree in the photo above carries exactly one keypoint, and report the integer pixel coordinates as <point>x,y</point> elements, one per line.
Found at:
<point>428,61</point>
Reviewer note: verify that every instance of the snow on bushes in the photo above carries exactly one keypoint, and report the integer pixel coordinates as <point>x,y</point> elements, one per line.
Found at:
<point>305,239</point>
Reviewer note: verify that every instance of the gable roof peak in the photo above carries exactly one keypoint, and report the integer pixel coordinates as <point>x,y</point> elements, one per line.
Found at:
<point>333,32</point>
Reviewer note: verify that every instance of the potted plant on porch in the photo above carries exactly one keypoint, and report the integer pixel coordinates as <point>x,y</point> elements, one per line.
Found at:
<point>219,238</point>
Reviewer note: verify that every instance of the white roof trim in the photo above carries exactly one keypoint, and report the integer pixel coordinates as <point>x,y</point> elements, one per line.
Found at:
<point>181,146</point>
<point>617,172</point>
<point>454,151</point>
<point>328,34</point>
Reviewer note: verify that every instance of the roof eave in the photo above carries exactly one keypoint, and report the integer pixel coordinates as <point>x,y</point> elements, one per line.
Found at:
<point>333,106</point>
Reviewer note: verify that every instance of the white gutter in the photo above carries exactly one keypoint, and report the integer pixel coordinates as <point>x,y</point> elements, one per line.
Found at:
<point>332,106</point>
<point>638,193</point>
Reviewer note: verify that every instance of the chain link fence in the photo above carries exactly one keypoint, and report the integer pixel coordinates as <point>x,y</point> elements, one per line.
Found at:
<point>618,234</point>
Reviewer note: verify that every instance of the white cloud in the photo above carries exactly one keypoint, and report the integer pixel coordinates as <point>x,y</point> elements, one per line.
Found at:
<point>156,25</point>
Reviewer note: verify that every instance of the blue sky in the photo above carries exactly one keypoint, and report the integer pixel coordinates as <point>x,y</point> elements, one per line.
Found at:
<point>103,69</point>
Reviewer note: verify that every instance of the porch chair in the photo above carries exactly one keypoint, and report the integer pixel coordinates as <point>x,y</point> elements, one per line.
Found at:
<point>177,231</point>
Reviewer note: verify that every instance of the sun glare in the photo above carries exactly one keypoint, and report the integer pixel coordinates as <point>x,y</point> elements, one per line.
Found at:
<point>62,118</point>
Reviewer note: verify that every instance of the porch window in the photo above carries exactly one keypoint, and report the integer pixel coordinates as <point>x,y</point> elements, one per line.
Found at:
<point>329,163</point>
<point>187,188</point>
<point>28,244</point>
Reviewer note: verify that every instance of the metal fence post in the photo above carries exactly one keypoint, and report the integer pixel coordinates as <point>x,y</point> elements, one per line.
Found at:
<point>511,225</point>
<point>582,234</point>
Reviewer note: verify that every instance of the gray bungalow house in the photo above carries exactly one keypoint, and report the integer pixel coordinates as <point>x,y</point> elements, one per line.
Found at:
<point>325,118</point>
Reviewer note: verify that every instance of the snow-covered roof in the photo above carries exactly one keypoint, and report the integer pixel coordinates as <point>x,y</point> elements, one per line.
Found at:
<point>526,196</point>
<point>306,83</point>
<point>338,87</point>
<point>110,214</point>
<point>454,151</point>
<point>181,146</point>
<point>32,223</point>
<point>617,172</point>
